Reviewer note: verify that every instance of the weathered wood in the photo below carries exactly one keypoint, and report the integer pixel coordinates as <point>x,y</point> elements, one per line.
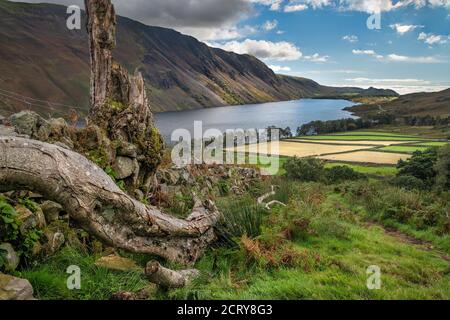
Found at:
<point>94,201</point>
<point>167,278</point>
<point>102,41</point>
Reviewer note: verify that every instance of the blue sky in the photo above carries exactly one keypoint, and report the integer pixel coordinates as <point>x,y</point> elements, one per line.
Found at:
<point>325,40</point>
<point>411,51</point>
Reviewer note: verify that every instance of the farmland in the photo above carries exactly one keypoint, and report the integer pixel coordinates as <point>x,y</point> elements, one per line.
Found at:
<point>366,151</point>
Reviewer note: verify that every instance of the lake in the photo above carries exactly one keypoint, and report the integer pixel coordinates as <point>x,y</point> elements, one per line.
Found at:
<point>255,116</point>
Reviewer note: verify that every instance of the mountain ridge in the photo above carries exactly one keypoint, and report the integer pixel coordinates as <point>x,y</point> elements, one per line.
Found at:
<point>40,57</point>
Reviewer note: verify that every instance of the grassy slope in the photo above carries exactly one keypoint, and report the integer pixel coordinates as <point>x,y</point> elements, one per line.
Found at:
<point>416,104</point>
<point>327,260</point>
<point>331,258</point>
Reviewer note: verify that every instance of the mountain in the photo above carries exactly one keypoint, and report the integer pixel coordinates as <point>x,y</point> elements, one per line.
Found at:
<point>416,104</point>
<point>40,58</point>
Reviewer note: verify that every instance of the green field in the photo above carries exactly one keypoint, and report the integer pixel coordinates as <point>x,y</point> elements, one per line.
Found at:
<point>370,170</point>
<point>374,133</point>
<point>361,138</point>
<point>403,149</point>
<point>433,144</point>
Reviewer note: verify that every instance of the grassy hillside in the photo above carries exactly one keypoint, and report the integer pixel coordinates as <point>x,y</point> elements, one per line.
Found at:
<point>41,58</point>
<point>417,104</point>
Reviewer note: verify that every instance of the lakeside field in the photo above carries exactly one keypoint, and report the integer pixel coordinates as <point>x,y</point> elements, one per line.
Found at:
<point>369,152</point>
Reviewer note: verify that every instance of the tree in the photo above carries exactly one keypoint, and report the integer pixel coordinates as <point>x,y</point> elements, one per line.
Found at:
<point>421,166</point>
<point>442,168</point>
<point>91,198</point>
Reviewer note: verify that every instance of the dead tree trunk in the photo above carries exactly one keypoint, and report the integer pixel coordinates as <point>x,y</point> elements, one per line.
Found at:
<point>101,28</point>
<point>94,201</point>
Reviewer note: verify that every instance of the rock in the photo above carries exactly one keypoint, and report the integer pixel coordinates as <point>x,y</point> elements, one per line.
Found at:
<point>127,150</point>
<point>144,294</point>
<point>2,119</point>
<point>124,167</point>
<point>139,195</point>
<point>12,259</point>
<point>12,288</point>
<point>40,218</point>
<point>169,177</point>
<point>26,122</point>
<point>116,263</point>
<point>7,131</point>
<point>51,211</point>
<point>27,218</point>
<point>55,241</point>
<point>62,145</point>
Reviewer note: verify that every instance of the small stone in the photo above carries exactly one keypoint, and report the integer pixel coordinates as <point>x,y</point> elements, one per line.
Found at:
<point>12,288</point>
<point>139,195</point>
<point>55,241</point>
<point>40,218</point>
<point>51,211</point>
<point>116,263</point>
<point>12,259</point>
<point>26,122</point>
<point>124,167</point>
<point>127,150</point>
<point>28,219</point>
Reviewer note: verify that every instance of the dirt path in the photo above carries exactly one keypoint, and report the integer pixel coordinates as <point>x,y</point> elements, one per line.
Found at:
<point>404,238</point>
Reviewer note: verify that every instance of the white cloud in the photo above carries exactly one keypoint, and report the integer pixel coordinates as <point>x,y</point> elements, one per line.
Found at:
<point>399,58</point>
<point>274,5</point>
<point>281,51</point>
<point>432,39</point>
<point>403,28</point>
<point>350,38</point>
<point>277,69</point>
<point>316,58</point>
<point>364,52</point>
<point>221,34</point>
<point>402,86</point>
<point>295,7</point>
<point>270,25</point>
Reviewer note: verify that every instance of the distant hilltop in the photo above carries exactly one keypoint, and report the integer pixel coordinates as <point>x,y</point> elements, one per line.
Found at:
<point>41,59</point>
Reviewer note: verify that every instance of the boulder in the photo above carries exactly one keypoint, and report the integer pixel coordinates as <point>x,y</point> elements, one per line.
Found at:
<point>51,211</point>
<point>124,167</point>
<point>11,258</point>
<point>26,122</point>
<point>12,288</point>
<point>28,219</point>
<point>116,263</point>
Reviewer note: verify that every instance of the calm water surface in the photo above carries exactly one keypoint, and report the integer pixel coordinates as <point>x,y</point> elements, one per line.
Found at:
<point>255,116</point>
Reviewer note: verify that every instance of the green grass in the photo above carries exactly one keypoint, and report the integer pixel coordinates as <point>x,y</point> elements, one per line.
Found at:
<point>49,279</point>
<point>335,253</point>
<point>361,138</point>
<point>373,133</point>
<point>433,144</point>
<point>370,170</point>
<point>318,247</point>
<point>403,149</point>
